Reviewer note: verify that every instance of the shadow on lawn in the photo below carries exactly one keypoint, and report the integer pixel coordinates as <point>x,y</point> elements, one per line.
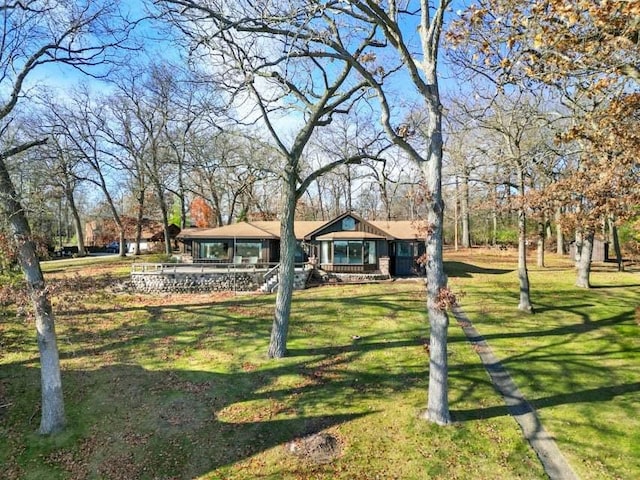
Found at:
<point>600,394</point>
<point>466,270</point>
<point>129,422</point>
<point>126,421</point>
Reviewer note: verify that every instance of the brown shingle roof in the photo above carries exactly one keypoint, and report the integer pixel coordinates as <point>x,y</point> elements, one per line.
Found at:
<point>346,235</point>
<point>399,229</point>
<point>235,230</point>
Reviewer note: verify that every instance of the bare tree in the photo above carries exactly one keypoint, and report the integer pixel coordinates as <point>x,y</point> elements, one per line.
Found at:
<point>79,35</point>
<point>245,44</point>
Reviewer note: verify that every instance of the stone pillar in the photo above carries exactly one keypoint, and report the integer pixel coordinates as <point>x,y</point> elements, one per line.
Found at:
<point>384,264</point>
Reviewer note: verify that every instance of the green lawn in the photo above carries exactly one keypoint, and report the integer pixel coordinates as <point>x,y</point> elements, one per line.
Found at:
<point>577,359</point>
<point>179,387</point>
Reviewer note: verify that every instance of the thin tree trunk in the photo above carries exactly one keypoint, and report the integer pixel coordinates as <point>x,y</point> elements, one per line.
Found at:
<point>494,218</point>
<point>280,327</point>
<point>579,238</point>
<point>540,245</point>
<point>139,221</point>
<point>52,402</point>
<point>77,223</point>
<point>559,234</point>
<point>464,211</point>
<point>455,217</point>
<point>616,243</point>
<point>523,274</point>
<point>584,263</point>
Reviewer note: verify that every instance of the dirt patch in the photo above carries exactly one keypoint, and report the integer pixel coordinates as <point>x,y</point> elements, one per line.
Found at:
<point>318,448</point>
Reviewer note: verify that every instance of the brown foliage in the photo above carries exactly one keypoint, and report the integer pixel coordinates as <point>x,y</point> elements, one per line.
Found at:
<point>202,213</point>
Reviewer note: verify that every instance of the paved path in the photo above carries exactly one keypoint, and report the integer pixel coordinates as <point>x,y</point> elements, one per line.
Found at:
<point>554,463</point>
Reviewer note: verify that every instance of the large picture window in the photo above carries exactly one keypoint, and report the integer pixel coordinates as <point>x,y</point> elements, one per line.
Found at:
<point>347,252</point>
<point>214,250</point>
<point>249,249</point>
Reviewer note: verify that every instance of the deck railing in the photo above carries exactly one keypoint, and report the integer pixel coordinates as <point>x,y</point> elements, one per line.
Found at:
<point>140,267</point>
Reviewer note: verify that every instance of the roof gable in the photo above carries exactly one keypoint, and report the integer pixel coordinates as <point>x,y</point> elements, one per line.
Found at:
<point>361,228</point>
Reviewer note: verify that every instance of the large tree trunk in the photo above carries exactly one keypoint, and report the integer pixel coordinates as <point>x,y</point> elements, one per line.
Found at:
<point>464,211</point>
<point>53,418</point>
<point>438,396</point>
<point>584,263</point>
<point>280,327</point>
<point>77,223</point>
<point>523,274</point>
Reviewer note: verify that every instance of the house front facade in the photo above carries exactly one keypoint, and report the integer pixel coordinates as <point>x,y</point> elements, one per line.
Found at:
<point>346,244</point>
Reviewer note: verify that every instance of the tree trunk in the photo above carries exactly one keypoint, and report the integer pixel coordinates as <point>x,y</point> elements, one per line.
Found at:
<point>540,245</point>
<point>464,211</point>
<point>53,418</point>
<point>584,263</point>
<point>280,327</point>
<point>559,234</point>
<point>579,238</point>
<point>438,395</point>
<point>164,210</point>
<point>616,243</point>
<point>455,217</point>
<point>523,274</point>
<point>139,221</point>
<point>494,218</point>
<point>77,223</point>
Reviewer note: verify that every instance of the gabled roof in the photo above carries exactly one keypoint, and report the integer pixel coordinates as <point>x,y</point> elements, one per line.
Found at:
<point>306,229</point>
<point>235,230</point>
<point>379,233</point>
<point>399,229</point>
<point>301,228</point>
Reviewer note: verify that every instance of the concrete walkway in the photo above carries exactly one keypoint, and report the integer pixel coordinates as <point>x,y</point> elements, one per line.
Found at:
<point>554,463</point>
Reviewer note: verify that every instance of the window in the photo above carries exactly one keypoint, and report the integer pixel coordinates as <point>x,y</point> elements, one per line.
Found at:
<point>348,223</point>
<point>405,249</point>
<point>214,250</point>
<point>355,252</point>
<point>249,249</point>
<point>340,249</point>
<point>347,252</point>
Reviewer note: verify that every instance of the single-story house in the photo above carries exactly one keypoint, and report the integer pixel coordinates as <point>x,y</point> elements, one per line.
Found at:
<point>102,232</point>
<point>346,244</point>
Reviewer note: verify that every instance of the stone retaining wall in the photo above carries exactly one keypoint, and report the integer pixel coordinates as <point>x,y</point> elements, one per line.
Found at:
<point>193,282</point>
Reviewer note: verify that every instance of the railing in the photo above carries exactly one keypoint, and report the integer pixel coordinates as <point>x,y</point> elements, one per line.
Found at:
<point>203,267</point>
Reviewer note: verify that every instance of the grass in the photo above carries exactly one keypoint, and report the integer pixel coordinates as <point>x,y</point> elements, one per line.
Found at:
<point>577,359</point>
<point>179,386</point>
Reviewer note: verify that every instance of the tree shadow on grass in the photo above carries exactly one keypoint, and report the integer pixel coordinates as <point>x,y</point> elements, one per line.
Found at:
<point>600,394</point>
<point>129,422</point>
<point>467,270</point>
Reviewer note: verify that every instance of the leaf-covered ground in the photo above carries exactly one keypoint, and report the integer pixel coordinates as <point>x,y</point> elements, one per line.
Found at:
<point>179,386</point>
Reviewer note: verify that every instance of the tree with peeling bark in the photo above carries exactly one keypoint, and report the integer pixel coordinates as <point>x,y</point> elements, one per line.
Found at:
<point>35,34</point>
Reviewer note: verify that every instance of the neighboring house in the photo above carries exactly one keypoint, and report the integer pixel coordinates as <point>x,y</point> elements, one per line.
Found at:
<point>346,244</point>
<point>103,232</point>
<point>152,238</point>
